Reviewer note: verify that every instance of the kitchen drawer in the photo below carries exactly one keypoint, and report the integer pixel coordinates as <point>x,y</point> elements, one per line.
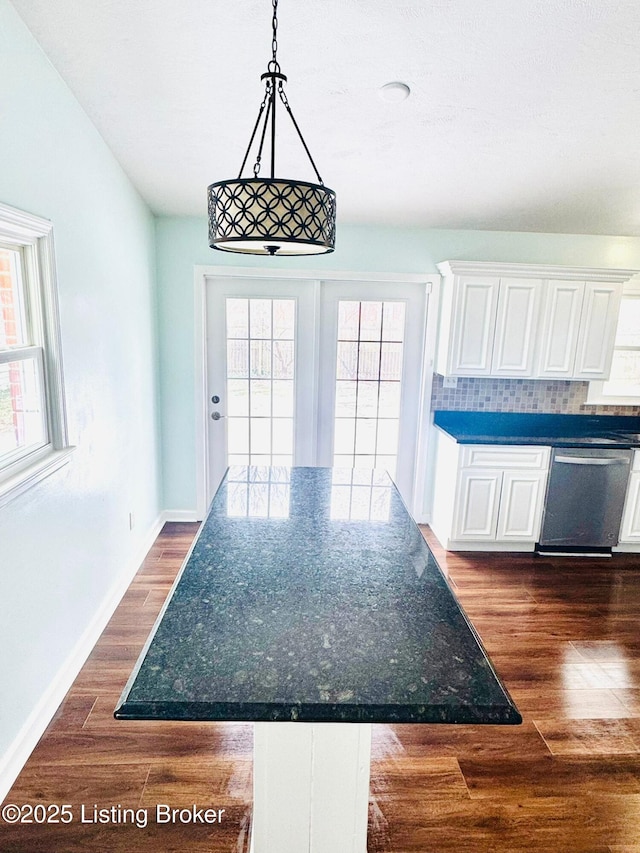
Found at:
<point>505,456</point>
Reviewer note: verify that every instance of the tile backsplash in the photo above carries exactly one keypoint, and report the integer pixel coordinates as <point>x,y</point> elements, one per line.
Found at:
<point>520,395</point>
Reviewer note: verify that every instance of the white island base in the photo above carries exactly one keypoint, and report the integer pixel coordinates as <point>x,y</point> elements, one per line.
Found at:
<point>310,787</point>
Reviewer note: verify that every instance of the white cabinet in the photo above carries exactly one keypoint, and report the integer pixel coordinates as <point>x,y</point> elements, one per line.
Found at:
<point>560,327</point>
<point>516,327</point>
<point>499,506</point>
<point>478,503</point>
<point>471,320</point>
<point>488,497</point>
<point>491,323</point>
<point>598,323</point>
<point>521,505</point>
<point>527,321</point>
<point>578,329</point>
<point>630,527</point>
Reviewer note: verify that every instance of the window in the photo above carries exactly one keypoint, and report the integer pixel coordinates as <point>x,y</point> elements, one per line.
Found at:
<point>623,385</point>
<point>33,433</point>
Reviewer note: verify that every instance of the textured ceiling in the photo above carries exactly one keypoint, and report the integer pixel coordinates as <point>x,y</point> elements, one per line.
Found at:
<point>523,115</point>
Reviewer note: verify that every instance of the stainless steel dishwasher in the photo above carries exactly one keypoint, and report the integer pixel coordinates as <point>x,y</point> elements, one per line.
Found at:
<point>585,499</point>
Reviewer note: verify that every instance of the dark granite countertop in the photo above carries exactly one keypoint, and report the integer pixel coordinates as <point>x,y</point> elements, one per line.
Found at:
<point>542,429</point>
<point>310,595</point>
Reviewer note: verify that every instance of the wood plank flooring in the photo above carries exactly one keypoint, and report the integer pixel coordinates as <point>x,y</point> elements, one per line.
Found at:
<point>563,635</point>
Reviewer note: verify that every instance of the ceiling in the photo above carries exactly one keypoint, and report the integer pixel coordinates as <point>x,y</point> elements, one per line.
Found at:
<point>523,115</point>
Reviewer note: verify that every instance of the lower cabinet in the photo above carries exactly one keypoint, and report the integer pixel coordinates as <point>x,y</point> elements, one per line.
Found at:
<point>521,504</point>
<point>489,497</point>
<point>630,527</point>
<point>476,512</point>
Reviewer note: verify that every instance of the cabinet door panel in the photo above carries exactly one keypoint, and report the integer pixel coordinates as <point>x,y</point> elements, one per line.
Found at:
<point>597,330</point>
<point>560,328</point>
<point>521,505</point>
<point>630,528</point>
<point>477,505</point>
<point>474,325</point>
<point>516,327</point>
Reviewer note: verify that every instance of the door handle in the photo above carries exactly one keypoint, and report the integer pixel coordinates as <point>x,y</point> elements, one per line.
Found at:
<point>216,416</point>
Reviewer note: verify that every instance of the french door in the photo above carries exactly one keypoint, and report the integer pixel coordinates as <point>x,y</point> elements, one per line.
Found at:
<point>305,372</point>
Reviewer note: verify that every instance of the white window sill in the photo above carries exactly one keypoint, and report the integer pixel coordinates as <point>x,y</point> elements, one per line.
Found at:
<point>595,397</point>
<point>31,471</point>
<point>612,401</point>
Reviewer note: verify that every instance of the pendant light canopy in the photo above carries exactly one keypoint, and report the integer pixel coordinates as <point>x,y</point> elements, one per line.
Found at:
<point>269,216</point>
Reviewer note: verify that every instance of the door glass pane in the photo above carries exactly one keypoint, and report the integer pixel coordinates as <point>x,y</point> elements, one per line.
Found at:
<point>260,318</point>
<point>260,382</point>
<point>260,395</point>
<point>344,435</point>
<point>283,359</point>
<point>22,422</point>
<point>238,397</point>
<point>284,317</point>
<point>347,366</point>
<point>393,325</point>
<point>259,359</point>
<point>367,399</point>
<point>237,359</point>
<point>370,321</point>
<point>346,399</point>
<point>369,361</point>
<point>348,320</point>
<point>368,385</point>
<point>391,362</point>
<point>237,318</point>
<point>389,399</point>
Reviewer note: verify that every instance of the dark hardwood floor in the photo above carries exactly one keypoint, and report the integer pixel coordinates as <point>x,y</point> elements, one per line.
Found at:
<point>564,636</point>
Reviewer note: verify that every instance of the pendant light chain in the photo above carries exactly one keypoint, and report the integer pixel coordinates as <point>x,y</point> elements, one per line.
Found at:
<point>274,38</point>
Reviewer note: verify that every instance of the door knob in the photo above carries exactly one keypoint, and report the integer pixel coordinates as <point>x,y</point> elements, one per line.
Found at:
<point>215,416</point>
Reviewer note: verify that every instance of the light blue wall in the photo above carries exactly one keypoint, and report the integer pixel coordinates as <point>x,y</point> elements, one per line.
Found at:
<point>182,243</point>
<point>64,543</point>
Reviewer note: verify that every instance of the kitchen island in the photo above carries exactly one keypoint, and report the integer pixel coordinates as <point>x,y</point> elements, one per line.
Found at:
<point>310,598</point>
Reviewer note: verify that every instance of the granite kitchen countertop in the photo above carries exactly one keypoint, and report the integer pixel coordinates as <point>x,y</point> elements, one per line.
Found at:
<point>310,595</point>
<point>613,431</point>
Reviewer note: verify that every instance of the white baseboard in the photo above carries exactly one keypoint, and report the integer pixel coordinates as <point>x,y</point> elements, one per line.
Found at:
<point>463,545</point>
<point>181,515</point>
<point>627,548</point>
<point>14,759</point>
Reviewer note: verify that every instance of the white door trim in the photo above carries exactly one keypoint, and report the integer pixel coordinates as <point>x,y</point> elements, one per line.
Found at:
<point>201,408</point>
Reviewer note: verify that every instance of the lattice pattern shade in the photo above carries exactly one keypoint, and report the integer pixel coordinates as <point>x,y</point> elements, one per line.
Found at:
<point>267,216</point>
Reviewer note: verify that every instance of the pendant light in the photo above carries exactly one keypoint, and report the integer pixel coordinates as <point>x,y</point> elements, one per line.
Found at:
<point>269,216</point>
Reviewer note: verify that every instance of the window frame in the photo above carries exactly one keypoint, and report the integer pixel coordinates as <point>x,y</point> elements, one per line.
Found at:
<point>32,237</point>
<point>596,395</point>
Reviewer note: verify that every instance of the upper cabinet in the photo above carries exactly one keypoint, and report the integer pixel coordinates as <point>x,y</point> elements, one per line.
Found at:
<point>516,326</point>
<point>578,329</point>
<point>528,321</point>
<point>472,319</point>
